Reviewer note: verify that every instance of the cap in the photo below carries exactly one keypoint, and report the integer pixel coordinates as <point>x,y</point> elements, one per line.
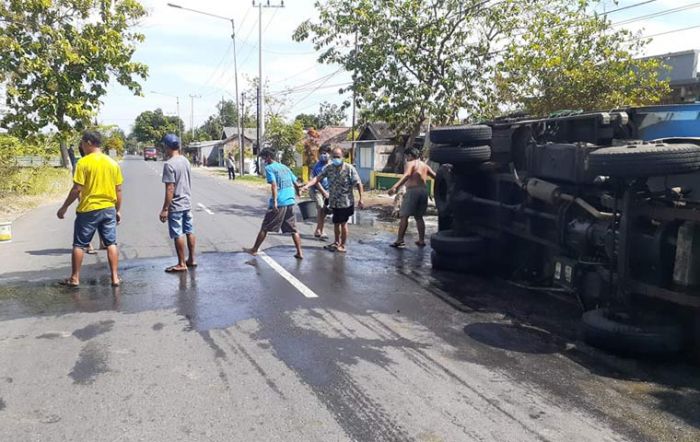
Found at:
<point>171,141</point>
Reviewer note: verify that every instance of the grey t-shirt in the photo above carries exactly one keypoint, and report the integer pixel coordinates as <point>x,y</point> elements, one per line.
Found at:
<point>177,170</point>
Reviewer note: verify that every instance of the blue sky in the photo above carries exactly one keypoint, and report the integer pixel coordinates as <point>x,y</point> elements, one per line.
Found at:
<point>190,54</point>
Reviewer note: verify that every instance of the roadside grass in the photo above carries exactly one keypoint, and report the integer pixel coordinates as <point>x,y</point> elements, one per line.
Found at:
<point>22,189</point>
<point>252,179</point>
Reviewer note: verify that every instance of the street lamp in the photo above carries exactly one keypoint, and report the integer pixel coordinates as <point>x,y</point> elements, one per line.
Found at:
<point>235,71</point>
<point>179,120</point>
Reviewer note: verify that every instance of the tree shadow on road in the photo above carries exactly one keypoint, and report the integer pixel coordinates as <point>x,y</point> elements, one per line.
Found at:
<point>49,252</point>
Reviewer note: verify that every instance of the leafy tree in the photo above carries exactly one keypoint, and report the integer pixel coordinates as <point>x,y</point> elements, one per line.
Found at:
<point>570,58</point>
<point>57,57</point>
<point>330,115</point>
<point>414,59</point>
<point>285,137</point>
<point>307,120</point>
<point>151,126</point>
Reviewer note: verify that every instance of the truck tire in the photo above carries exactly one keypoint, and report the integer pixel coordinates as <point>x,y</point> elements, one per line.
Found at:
<point>460,154</point>
<point>644,160</point>
<point>455,263</point>
<point>470,135</point>
<point>444,188</point>
<point>622,334</point>
<point>449,243</point>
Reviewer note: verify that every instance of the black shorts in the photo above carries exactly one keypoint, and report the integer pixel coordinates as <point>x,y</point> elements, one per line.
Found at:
<point>278,219</point>
<point>341,216</point>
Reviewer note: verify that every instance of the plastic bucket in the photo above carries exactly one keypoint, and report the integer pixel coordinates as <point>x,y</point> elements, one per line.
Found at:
<point>5,232</point>
<point>308,209</point>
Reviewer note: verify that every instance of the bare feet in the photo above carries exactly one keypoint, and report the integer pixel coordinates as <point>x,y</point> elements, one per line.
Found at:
<point>250,251</point>
<point>117,283</point>
<point>69,282</point>
<point>176,269</point>
<point>341,249</point>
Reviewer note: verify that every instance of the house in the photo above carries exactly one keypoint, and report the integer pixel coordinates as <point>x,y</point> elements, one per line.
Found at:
<point>212,153</point>
<point>683,76</point>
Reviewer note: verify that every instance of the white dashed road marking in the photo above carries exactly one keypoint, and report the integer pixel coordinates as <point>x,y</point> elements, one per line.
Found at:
<point>203,207</point>
<point>288,276</point>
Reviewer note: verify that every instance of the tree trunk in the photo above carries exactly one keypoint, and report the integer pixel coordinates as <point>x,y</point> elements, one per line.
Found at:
<point>65,159</point>
<point>395,162</point>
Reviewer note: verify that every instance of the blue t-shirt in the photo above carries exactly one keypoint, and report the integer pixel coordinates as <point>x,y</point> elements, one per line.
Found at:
<point>284,178</point>
<point>316,171</point>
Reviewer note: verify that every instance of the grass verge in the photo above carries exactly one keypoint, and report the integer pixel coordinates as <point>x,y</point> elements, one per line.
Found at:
<point>26,188</point>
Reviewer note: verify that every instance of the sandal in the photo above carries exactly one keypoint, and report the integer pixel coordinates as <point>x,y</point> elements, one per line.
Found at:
<point>421,243</point>
<point>299,257</point>
<point>175,269</point>
<point>117,284</point>
<point>341,249</point>
<point>398,245</point>
<point>69,283</point>
<point>332,247</point>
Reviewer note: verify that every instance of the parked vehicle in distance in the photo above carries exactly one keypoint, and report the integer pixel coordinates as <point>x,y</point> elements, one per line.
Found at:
<point>604,206</point>
<point>150,153</point>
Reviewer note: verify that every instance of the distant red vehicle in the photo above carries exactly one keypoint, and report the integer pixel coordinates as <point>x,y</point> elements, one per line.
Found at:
<point>150,153</point>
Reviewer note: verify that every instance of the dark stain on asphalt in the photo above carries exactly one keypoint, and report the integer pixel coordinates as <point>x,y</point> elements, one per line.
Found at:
<point>92,330</point>
<point>9,380</point>
<point>513,337</point>
<point>158,326</point>
<point>218,351</point>
<point>49,336</point>
<point>2,404</point>
<point>91,363</point>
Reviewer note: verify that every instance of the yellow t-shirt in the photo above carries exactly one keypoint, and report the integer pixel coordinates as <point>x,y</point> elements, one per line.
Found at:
<point>99,175</point>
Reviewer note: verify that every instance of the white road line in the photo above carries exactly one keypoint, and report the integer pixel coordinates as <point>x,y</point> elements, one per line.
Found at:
<point>288,276</point>
<point>203,207</point>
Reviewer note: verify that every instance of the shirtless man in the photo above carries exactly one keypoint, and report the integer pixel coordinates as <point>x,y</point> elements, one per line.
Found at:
<point>415,202</point>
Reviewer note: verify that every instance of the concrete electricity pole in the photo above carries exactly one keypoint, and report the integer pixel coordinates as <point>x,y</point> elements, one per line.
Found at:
<point>179,120</point>
<point>192,97</point>
<point>261,98</point>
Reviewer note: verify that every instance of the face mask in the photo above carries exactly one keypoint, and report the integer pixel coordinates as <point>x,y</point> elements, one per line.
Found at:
<point>324,157</point>
<point>337,161</point>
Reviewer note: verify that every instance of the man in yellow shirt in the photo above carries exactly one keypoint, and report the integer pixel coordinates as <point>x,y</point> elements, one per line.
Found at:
<point>98,183</point>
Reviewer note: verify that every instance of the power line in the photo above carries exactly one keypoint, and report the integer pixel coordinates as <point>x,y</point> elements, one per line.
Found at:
<point>673,31</point>
<point>658,14</point>
<point>629,7</point>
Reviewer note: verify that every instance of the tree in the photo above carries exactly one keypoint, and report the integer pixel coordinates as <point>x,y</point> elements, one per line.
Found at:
<point>57,58</point>
<point>328,115</point>
<point>151,126</point>
<point>284,137</point>
<point>570,58</point>
<point>413,59</point>
<point>309,121</point>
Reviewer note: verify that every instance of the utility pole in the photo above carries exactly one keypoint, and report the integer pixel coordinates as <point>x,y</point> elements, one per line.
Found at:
<point>261,99</point>
<point>179,120</point>
<point>192,97</point>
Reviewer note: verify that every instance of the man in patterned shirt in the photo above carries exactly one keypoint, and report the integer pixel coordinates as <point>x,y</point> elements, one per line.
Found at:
<point>342,179</point>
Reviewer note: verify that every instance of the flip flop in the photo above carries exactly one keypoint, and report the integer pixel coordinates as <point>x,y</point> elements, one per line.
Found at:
<point>332,247</point>
<point>117,284</point>
<point>68,283</point>
<point>398,245</point>
<point>175,269</point>
<point>341,250</point>
<point>299,257</point>
<point>91,252</point>
<point>192,265</point>
<point>421,244</point>
<point>323,237</point>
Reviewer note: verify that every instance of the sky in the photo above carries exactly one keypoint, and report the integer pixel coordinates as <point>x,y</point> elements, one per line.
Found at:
<point>189,54</point>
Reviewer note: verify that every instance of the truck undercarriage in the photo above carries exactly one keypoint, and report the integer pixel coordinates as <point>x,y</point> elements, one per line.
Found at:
<point>581,204</point>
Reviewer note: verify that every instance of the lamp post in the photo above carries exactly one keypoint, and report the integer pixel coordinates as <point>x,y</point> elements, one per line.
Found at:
<point>235,69</point>
<point>179,120</point>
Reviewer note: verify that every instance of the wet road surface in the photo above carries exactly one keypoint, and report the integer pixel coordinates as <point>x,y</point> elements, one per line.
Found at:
<point>387,350</point>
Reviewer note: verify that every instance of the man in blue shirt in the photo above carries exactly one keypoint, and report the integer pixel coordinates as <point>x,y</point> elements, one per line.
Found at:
<point>319,193</point>
<point>280,213</point>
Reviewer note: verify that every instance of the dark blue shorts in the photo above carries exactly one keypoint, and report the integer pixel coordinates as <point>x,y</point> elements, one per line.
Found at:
<point>103,221</point>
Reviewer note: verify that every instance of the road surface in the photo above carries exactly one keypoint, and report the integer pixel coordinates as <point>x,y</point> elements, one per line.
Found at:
<point>371,346</point>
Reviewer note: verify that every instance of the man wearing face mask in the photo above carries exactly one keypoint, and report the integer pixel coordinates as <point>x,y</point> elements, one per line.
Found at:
<point>319,193</point>
<point>280,213</point>
<point>342,179</point>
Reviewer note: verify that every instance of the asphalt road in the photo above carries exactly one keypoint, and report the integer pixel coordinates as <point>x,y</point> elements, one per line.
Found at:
<point>370,346</point>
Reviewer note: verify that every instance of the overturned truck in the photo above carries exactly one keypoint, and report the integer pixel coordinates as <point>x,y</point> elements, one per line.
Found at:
<point>603,205</point>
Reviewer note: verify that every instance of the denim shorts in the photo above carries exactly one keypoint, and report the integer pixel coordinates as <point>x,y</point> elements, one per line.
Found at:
<point>180,223</point>
<point>103,221</point>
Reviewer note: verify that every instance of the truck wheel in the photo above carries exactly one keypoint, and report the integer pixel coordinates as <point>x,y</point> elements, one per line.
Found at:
<point>644,334</point>
<point>470,135</point>
<point>449,243</point>
<point>460,154</point>
<point>455,263</point>
<point>644,160</point>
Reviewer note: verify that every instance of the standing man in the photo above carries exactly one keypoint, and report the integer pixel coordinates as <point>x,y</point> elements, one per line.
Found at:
<point>342,178</point>
<point>415,201</point>
<point>319,193</point>
<point>177,204</point>
<point>98,183</point>
<point>280,212</point>
<point>229,167</point>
